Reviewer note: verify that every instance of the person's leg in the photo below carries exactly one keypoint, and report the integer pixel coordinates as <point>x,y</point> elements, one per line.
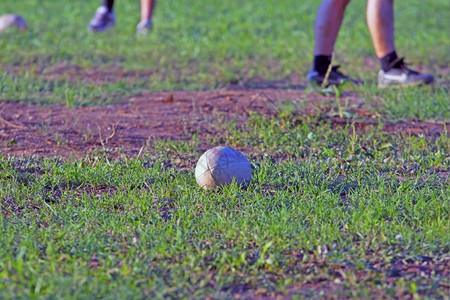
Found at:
<point>380,20</point>
<point>109,4</point>
<point>104,17</point>
<point>326,28</point>
<point>147,7</point>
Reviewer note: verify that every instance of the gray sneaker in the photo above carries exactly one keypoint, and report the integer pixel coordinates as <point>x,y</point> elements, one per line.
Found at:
<point>103,20</point>
<point>334,78</point>
<point>401,76</point>
<point>144,27</point>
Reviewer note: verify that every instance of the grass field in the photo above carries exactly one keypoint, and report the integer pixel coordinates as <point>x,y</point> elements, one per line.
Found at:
<point>333,211</point>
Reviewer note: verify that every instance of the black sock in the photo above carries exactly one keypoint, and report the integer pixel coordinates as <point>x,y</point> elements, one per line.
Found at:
<point>321,63</point>
<point>386,61</point>
<point>109,4</point>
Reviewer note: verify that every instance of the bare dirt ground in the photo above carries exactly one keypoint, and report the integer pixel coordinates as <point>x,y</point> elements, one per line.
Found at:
<point>61,131</point>
<point>126,127</point>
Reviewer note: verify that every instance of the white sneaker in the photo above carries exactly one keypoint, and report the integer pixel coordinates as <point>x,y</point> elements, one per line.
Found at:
<point>144,27</point>
<point>400,75</point>
<point>103,20</point>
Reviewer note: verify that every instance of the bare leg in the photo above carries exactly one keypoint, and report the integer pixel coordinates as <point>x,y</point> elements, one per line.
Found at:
<point>328,22</point>
<point>380,19</point>
<point>147,7</point>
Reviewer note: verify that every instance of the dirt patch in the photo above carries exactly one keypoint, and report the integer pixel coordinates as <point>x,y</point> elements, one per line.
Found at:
<point>96,75</point>
<point>111,71</point>
<point>126,127</point>
<point>66,71</point>
<point>325,280</point>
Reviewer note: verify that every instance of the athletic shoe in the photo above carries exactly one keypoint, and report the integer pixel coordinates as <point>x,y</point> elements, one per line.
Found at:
<point>144,27</point>
<point>400,75</point>
<point>334,78</point>
<point>102,20</point>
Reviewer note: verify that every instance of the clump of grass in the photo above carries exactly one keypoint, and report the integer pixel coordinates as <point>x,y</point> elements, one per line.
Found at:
<point>320,200</point>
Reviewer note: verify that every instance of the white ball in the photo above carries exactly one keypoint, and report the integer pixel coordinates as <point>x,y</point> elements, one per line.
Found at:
<point>11,20</point>
<point>220,165</point>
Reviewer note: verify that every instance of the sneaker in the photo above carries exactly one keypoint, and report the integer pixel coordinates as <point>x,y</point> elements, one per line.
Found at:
<point>334,78</point>
<point>144,27</point>
<point>400,75</point>
<point>102,20</point>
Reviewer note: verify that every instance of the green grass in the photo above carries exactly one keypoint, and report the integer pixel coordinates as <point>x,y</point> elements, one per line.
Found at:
<point>325,204</point>
<point>155,233</point>
<point>204,46</point>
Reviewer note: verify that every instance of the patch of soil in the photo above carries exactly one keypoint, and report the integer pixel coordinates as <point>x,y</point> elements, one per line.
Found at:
<point>126,127</point>
<point>324,280</point>
<point>96,75</point>
<point>75,73</point>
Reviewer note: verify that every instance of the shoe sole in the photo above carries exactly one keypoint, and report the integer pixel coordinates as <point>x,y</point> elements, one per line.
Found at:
<point>93,29</point>
<point>396,85</point>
